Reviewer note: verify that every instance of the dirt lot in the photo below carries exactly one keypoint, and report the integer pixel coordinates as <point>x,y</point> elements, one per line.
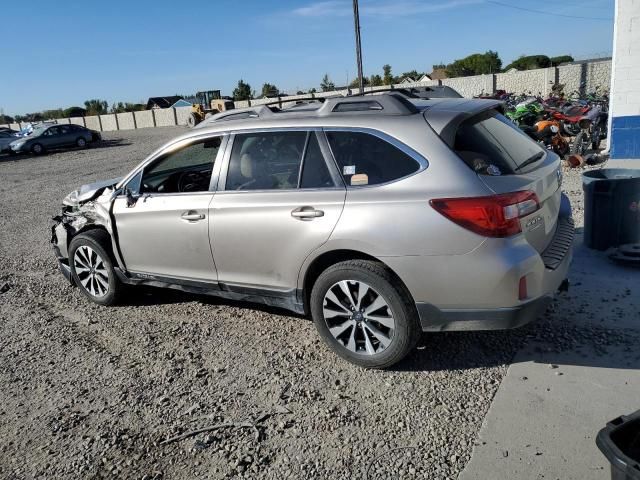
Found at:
<point>92,392</point>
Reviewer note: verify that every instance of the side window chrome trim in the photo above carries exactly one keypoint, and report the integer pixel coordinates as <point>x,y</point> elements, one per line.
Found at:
<point>418,158</point>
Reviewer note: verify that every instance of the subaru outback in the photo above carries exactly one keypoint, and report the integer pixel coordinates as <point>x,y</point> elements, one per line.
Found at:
<point>381,217</point>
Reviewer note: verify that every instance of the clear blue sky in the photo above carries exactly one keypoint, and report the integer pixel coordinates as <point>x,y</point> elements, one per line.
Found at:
<point>64,52</point>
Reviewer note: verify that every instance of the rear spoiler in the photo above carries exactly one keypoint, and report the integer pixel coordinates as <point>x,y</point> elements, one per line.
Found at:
<point>445,121</point>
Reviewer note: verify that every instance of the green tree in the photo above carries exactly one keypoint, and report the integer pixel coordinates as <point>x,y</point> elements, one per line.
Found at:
<point>75,112</point>
<point>375,81</point>
<point>355,83</point>
<point>96,107</point>
<point>387,77</point>
<point>52,114</point>
<point>412,73</point>
<point>555,61</point>
<point>242,91</point>
<point>312,90</point>
<point>6,118</point>
<point>269,90</point>
<point>529,62</point>
<point>438,66</point>
<point>475,64</point>
<point>327,85</point>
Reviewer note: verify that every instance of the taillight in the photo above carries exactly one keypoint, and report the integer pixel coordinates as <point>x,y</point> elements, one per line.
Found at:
<point>490,216</point>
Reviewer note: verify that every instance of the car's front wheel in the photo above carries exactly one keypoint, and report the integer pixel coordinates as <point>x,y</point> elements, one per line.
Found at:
<point>363,314</point>
<point>37,149</point>
<point>92,267</point>
<point>81,142</point>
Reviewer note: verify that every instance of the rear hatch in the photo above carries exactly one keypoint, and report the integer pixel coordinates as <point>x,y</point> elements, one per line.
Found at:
<point>507,160</point>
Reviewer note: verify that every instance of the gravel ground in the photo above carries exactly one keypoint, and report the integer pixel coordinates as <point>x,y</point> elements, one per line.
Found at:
<point>93,392</point>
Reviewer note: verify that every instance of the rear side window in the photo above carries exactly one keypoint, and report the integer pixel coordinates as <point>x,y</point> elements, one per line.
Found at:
<point>365,159</point>
<point>492,144</point>
<point>265,161</point>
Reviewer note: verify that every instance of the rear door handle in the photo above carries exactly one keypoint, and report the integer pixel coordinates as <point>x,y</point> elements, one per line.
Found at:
<point>306,213</point>
<point>192,216</point>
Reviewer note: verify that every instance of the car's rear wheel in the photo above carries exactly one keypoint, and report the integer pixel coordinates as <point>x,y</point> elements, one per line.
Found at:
<point>363,314</point>
<point>81,142</point>
<point>92,267</point>
<point>37,149</point>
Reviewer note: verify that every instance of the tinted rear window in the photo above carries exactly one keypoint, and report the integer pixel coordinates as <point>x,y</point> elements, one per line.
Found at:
<point>492,139</point>
<point>365,159</point>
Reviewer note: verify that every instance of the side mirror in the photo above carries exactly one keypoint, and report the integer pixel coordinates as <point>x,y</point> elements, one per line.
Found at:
<point>132,198</point>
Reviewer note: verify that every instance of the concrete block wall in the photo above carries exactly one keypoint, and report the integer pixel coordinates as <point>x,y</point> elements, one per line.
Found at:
<point>471,86</point>
<point>93,122</point>
<point>109,123</point>
<point>624,143</point>
<point>145,119</point>
<point>534,81</point>
<point>77,120</point>
<point>182,114</point>
<point>126,121</point>
<point>165,117</point>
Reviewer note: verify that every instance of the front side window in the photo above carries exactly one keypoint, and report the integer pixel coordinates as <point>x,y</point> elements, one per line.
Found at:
<point>187,169</point>
<point>266,161</point>
<point>365,159</point>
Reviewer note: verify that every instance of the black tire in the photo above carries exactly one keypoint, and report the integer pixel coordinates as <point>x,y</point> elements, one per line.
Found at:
<point>99,242</point>
<point>406,331</point>
<point>81,142</point>
<point>37,149</point>
<point>192,121</point>
<point>580,144</point>
<point>596,137</point>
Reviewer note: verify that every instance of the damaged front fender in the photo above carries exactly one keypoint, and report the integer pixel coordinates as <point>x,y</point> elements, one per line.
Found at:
<point>77,217</point>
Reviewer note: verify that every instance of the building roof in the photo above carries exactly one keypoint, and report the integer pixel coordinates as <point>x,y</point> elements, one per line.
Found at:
<point>182,103</point>
<point>162,102</point>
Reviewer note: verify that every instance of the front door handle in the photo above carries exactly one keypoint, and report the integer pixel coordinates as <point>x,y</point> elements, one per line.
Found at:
<point>192,216</point>
<point>306,213</point>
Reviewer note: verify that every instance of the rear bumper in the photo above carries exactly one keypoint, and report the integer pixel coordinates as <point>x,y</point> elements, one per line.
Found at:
<point>545,275</point>
<point>432,319</point>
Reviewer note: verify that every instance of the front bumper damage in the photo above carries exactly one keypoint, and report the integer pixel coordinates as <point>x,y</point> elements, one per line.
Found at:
<point>60,245</point>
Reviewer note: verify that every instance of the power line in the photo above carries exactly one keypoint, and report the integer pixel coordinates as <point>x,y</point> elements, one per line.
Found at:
<point>548,13</point>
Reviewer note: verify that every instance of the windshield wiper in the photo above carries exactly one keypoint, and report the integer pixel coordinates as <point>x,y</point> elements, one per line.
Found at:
<point>530,160</point>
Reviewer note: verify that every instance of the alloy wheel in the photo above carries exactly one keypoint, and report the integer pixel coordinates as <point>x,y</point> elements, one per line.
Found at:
<point>358,317</point>
<point>91,271</point>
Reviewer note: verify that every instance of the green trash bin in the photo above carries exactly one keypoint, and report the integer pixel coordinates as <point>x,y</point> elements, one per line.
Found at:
<point>611,207</point>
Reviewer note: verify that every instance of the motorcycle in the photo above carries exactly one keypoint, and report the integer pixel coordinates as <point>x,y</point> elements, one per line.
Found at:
<point>526,113</point>
<point>547,132</point>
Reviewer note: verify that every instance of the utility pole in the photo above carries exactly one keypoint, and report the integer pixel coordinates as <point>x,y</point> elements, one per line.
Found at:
<point>356,22</point>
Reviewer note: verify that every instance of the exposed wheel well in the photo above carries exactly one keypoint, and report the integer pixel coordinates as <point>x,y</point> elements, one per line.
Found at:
<point>95,228</point>
<point>327,259</point>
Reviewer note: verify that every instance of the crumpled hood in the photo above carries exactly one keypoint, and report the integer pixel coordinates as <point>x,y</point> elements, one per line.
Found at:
<point>89,191</point>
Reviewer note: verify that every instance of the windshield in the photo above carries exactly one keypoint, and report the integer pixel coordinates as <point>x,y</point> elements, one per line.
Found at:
<point>491,141</point>
<point>38,131</point>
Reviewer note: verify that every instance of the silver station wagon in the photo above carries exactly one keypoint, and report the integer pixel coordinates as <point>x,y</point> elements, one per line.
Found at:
<point>380,216</point>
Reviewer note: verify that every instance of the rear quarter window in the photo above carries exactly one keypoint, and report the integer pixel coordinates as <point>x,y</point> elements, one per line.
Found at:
<point>365,159</point>
<point>491,139</point>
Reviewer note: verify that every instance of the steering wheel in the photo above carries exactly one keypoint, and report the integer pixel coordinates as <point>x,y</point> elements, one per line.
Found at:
<point>189,181</point>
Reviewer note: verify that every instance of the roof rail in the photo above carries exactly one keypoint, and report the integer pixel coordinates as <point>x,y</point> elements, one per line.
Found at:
<point>258,111</point>
<point>385,104</point>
